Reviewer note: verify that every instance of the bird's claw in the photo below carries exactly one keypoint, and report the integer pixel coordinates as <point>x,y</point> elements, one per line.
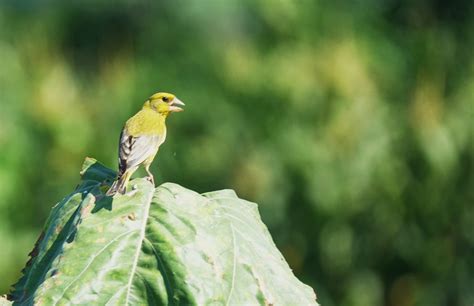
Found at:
<point>151,180</point>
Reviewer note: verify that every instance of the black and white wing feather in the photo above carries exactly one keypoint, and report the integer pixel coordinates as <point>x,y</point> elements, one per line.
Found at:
<point>135,150</point>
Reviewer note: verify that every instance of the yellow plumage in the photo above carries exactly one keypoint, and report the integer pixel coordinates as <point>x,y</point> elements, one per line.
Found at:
<point>142,136</point>
<point>145,122</point>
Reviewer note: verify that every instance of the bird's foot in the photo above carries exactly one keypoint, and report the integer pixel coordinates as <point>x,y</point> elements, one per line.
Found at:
<point>151,179</point>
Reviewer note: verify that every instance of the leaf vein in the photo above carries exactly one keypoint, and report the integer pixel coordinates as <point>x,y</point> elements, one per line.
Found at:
<point>139,245</point>
<point>234,265</point>
<point>161,267</point>
<point>90,263</point>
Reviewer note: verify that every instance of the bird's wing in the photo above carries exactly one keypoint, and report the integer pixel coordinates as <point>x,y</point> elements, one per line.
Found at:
<point>135,150</point>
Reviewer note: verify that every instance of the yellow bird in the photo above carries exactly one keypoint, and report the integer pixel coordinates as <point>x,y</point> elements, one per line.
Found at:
<point>141,138</point>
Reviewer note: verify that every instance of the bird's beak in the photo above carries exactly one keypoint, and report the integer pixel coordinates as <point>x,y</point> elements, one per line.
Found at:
<point>174,108</point>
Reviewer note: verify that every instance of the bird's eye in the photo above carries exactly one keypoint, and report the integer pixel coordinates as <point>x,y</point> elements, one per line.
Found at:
<point>165,99</point>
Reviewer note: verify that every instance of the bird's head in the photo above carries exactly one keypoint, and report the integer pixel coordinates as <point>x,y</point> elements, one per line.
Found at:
<point>164,103</point>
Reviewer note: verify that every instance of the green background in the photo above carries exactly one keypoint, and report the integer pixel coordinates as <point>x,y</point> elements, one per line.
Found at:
<point>351,123</point>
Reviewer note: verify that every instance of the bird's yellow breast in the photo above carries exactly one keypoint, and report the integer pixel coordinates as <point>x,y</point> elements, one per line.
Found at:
<point>146,122</point>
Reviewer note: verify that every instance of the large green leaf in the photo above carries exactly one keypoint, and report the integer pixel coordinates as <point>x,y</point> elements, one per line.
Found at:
<point>163,246</point>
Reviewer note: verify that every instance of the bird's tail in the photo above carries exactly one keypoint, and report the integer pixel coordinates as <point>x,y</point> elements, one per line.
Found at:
<point>120,185</point>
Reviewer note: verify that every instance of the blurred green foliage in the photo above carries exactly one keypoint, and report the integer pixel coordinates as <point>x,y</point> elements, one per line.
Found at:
<point>350,123</point>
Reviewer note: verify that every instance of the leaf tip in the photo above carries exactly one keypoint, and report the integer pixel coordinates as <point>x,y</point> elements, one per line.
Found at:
<point>88,162</point>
